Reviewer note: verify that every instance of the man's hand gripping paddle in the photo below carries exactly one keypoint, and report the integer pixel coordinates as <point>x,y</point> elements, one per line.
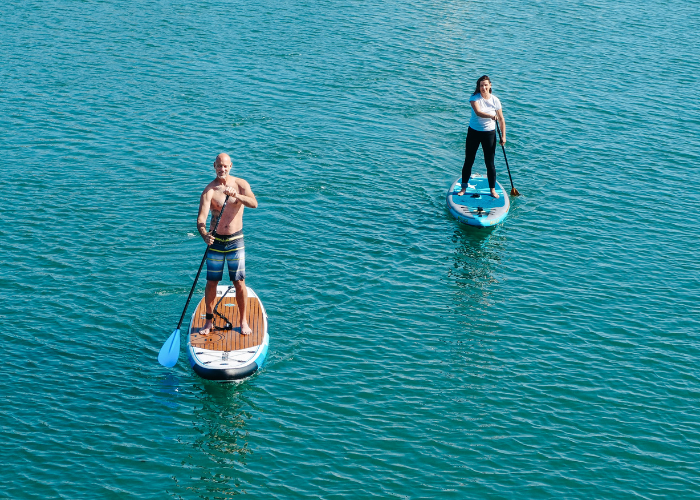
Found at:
<point>513,191</point>
<point>171,349</point>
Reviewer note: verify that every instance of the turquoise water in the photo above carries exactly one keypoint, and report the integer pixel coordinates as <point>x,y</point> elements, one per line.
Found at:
<point>554,356</point>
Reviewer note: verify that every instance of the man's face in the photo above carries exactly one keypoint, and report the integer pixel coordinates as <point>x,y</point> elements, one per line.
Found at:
<point>222,168</point>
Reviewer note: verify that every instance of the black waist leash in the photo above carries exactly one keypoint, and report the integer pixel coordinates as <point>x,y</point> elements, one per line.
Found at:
<point>228,325</point>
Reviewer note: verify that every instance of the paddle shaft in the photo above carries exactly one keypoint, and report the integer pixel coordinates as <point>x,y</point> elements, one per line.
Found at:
<point>504,154</point>
<point>200,266</point>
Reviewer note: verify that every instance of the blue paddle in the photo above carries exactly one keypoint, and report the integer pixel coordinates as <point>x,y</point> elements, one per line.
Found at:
<point>171,349</point>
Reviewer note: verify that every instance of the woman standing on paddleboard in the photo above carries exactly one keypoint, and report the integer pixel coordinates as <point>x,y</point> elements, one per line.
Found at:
<point>486,109</point>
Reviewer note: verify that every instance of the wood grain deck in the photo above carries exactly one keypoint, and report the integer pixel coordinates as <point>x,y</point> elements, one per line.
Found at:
<point>229,340</point>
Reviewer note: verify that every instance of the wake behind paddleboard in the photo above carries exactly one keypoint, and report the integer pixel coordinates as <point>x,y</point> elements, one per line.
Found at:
<point>225,355</point>
<point>477,207</point>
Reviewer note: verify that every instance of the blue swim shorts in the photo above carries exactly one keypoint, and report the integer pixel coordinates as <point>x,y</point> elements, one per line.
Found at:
<point>229,248</point>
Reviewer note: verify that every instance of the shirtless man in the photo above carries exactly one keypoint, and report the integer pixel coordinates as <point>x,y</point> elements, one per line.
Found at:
<point>227,243</point>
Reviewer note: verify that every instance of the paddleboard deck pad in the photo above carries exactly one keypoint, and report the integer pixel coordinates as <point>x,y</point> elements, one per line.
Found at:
<point>224,354</point>
<point>477,207</point>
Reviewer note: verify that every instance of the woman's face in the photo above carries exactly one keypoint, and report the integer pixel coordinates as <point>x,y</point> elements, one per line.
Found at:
<point>485,87</point>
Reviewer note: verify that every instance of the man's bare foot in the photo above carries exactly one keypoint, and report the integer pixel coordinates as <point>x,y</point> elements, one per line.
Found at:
<point>206,329</point>
<point>494,193</point>
<point>245,329</point>
<point>461,193</point>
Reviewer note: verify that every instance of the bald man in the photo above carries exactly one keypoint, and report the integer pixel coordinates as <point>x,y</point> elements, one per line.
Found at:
<point>226,245</point>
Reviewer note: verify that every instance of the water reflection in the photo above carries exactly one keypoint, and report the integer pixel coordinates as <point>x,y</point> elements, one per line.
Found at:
<point>476,257</point>
<point>219,443</point>
<point>169,391</point>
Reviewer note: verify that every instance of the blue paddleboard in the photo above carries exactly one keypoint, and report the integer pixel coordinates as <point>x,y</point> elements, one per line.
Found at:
<point>477,207</point>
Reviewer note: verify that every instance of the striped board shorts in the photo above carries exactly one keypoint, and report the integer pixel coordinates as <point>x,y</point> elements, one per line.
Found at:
<point>228,248</point>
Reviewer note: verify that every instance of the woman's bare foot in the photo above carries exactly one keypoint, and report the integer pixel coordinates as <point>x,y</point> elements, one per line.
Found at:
<point>461,193</point>
<point>206,329</point>
<point>494,193</point>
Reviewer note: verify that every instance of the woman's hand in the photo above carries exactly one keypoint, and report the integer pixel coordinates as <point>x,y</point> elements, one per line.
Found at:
<point>503,141</point>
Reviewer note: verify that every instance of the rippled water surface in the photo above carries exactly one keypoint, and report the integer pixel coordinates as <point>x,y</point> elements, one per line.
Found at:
<point>555,356</point>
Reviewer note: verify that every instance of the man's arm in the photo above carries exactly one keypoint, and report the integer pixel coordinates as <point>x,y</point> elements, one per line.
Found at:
<point>244,194</point>
<point>204,207</point>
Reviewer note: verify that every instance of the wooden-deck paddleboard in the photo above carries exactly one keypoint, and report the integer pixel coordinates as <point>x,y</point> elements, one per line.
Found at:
<point>226,355</point>
<point>477,207</point>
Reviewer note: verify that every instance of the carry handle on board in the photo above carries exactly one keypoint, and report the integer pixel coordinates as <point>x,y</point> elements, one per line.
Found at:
<point>171,348</point>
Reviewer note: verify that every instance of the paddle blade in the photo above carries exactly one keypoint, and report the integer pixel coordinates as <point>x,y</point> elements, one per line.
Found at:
<point>514,192</point>
<point>171,350</point>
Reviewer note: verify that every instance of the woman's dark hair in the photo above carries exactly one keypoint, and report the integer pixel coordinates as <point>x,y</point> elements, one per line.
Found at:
<point>478,83</point>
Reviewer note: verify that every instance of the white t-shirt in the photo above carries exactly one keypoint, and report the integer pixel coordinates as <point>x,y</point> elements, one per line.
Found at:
<point>489,106</point>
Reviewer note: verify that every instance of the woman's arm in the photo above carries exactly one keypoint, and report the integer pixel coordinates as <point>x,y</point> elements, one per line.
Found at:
<point>477,110</point>
<point>502,121</point>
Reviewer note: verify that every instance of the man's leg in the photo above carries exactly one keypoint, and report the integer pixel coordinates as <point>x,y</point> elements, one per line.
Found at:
<point>242,301</point>
<point>215,271</point>
<point>236,271</point>
<point>209,299</point>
